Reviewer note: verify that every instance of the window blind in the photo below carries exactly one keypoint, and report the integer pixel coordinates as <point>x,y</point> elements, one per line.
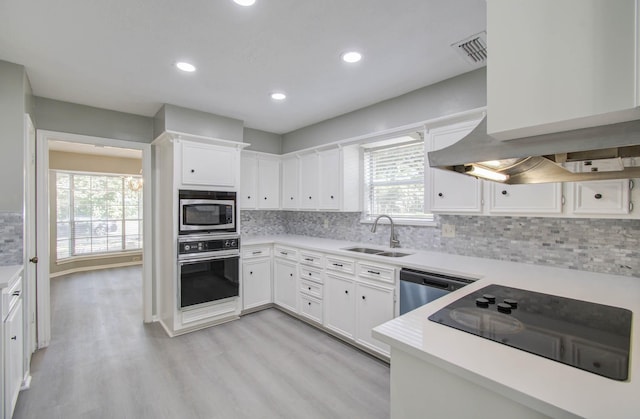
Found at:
<point>394,180</point>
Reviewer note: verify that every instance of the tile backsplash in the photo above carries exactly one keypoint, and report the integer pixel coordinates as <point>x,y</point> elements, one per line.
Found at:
<point>597,245</point>
<point>10,238</point>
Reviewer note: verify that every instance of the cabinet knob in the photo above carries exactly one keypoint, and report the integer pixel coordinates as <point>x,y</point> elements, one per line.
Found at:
<point>440,194</point>
<point>364,298</point>
<point>598,196</point>
<point>309,197</point>
<point>309,273</point>
<point>249,197</point>
<point>309,303</point>
<point>251,273</point>
<point>291,198</point>
<point>290,274</point>
<point>504,192</point>
<point>346,291</point>
<point>193,171</point>
<point>14,338</point>
<point>331,196</point>
<point>265,198</point>
<point>309,288</point>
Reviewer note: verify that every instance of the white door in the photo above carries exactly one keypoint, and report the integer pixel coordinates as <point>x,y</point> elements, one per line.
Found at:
<point>309,178</point>
<point>30,258</point>
<point>269,184</point>
<point>374,306</point>
<point>330,175</point>
<point>290,182</point>
<point>339,307</point>
<point>248,182</point>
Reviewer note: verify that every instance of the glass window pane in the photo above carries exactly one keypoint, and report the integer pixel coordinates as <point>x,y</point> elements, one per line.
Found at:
<point>114,183</point>
<point>99,245</point>
<point>63,203</point>
<point>62,249</point>
<point>62,180</point>
<point>114,243</point>
<point>82,229</point>
<point>81,182</point>
<point>133,242</point>
<point>83,246</point>
<point>63,231</point>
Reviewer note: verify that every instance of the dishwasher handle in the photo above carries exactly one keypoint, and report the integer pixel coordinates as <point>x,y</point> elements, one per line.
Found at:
<point>434,279</point>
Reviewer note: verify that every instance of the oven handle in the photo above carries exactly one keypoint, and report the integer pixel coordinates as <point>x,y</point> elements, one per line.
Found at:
<point>182,260</point>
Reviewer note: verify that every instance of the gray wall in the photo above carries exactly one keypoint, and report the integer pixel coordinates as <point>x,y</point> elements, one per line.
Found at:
<point>55,115</point>
<point>266,142</point>
<point>461,93</point>
<point>176,118</point>
<point>13,103</point>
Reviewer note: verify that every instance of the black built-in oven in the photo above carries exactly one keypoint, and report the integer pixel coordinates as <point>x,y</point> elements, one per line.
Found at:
<point>206,211</point>
<point>208,269</point>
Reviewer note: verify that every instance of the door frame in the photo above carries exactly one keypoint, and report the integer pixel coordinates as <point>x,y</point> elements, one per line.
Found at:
<point>42,209</point>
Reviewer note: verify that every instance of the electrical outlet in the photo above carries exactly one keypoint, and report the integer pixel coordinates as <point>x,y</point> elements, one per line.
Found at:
<point>326,223</point>
<point>448,230</point>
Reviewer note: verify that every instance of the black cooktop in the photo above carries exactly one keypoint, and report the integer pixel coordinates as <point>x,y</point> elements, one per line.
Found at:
<point>589,336</point>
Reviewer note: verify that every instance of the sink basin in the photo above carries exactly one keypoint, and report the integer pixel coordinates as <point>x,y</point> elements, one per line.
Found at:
<point>377,252</point>
<point>364,250</point>
<point>393,254</point>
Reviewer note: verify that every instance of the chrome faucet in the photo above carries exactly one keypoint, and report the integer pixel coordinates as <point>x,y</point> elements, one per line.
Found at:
<point>393,239</point>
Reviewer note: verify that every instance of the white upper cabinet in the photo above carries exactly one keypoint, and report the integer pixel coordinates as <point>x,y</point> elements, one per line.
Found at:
<point>259,181</point>
<point>329,182</point>
<point>560,65</point>
<point>309,178</point>
<point>209,165</point>
<point>290,182</point>
<point>602,197</point>
<point>450,191</point>
<point>525,199</point>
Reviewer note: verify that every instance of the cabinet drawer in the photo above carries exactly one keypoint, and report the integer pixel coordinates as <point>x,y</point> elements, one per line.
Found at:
<point>379,273</point>
<point>311,258</point>
<point>311,274</point>
<point>286,253</point>
<point>311,288</point>
<point>311,308</point>
<point>256,252</point>
<point>341,265</point>
<point>10,296</point>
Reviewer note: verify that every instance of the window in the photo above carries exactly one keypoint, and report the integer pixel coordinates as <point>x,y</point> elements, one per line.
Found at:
<point>97,213</point>
<point>394,179</point>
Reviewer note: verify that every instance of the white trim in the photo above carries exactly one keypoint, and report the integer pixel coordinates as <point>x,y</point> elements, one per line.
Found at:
<point>100,256</point>
<point>94,268</point>
<point>426,222</point>
<point>43,289</point>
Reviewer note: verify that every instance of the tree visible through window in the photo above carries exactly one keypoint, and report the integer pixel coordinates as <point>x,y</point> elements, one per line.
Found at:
<point>394,180</point>
<point>97,213</point>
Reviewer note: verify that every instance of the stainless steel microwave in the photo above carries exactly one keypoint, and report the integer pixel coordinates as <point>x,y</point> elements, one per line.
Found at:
<point>207,211</point>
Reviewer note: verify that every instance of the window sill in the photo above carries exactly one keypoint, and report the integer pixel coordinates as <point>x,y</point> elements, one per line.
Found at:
<point>98,256</point>
<point>402,222</point>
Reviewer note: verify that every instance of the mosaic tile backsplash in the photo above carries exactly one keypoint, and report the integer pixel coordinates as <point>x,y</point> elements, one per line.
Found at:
<point>10,238</point>
<point>596,245</point>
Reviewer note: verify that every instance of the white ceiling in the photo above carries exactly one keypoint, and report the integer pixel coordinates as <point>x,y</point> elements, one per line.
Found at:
<point>120,54</point>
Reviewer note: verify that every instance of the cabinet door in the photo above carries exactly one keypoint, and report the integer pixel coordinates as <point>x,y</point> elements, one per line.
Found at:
<point>535,198</point>
<point>290,183</point>
<point>601,197</point>
<point>285,285</point>
<point>520,83</point>
<point>450,191</point>
<point>309,181</point>
<point>248,182</point>
<point>269,184</point>
<point>209,165</point>
<point>256,287</point>
<point>374,306</point>
<point>339,307</point>
<point>329,182</point>
<point>13,341</point>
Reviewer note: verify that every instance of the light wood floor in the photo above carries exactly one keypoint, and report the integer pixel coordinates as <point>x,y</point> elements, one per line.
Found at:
<point>104,362</point>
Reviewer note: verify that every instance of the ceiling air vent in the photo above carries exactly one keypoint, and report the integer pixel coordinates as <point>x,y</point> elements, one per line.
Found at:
<point>473,48</point>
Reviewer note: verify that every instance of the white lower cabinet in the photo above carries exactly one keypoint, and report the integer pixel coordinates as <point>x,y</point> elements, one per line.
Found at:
<point>374,306</point>
<point>285,284</point>
<point>339,301</point>
<point>256,283</point>
<point>13,347</point>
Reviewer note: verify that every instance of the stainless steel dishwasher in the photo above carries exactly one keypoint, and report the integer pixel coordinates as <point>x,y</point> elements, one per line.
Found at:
<point>418,288</point>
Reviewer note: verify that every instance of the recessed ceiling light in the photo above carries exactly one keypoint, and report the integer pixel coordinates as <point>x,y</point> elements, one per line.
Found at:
<point>189,68</point>
<point>278,96</point>
<point>245,2</point>
<point>351,57</point>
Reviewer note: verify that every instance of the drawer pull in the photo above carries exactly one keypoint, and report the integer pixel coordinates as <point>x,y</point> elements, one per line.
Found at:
<point>374,272</point>
<point>257,252</point>
<point>598,196</point>
<point>308,259</point>
<point>14,338</point>
<point>284,253</point>
<point>16,293</point>
<point>339,265</point>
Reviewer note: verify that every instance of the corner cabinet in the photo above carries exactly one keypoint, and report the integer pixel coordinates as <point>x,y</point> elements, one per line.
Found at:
<point>259,181</point>
<point>450,191</point>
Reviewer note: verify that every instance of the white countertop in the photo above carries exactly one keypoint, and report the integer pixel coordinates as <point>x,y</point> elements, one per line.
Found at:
<point>553,388</point>
<point>8,273</point>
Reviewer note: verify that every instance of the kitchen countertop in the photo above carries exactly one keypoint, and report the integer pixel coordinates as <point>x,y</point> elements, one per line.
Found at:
<point>553,388</point>
<point>7,273</point>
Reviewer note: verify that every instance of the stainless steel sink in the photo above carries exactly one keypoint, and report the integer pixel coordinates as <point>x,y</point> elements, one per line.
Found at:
<point>364,250</point>
<point>393,254</point>
<point>377,252</point>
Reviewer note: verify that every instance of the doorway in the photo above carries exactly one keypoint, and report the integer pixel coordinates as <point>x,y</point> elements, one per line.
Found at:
<point>50,140</point>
